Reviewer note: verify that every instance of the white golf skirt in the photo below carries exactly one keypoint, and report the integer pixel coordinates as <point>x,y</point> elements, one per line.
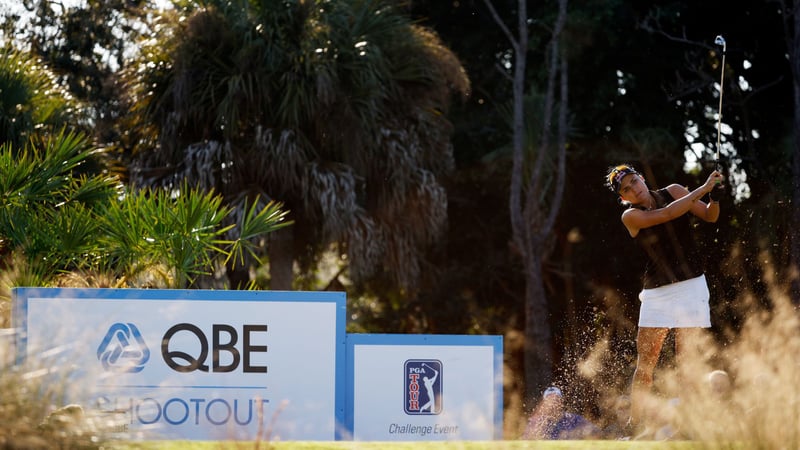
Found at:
<point>678,305</point>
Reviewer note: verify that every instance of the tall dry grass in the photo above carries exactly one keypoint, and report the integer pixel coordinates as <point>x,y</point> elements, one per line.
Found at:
<point>33,415</point>
<point>759,408</point>
<point>761,405</point>
<point>741,390</point>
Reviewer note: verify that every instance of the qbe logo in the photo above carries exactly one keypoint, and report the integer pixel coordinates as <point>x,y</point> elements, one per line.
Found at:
<point>423,386</point>
<point>123,349</point>
<point>185,348</point>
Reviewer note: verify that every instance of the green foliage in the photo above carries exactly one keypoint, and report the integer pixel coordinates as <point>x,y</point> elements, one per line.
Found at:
<point>333,108</point>
<point>45,212</point>
<point>183,231</point>
<point>55,220</point>
<point>257,220</point>
<point>178,230</point>
<point>30,99</point>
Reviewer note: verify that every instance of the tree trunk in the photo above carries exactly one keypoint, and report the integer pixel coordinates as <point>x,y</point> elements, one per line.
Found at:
<point>538,338</point>
<point>281,259</point>
<point>794,62</point>
<point>531,221</point>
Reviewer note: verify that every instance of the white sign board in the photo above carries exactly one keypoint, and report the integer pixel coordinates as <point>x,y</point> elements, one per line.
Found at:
<point>194,364</point>
<point>424,387</point>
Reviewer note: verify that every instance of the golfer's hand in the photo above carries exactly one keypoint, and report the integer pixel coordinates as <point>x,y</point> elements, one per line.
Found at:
<point>714,179</point>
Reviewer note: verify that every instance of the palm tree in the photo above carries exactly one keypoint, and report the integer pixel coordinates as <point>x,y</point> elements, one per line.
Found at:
<point>57,224</point>
<point>30,99</point>
<point>62,214</point>
<point>335,109</point>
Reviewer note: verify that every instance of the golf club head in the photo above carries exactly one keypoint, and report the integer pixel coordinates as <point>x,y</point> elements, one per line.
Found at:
<point>720,41</point>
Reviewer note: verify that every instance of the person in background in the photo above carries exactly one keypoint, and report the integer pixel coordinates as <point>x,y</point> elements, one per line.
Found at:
<point>675,294</point>
<point>617,414</point>
<point>550,420</point>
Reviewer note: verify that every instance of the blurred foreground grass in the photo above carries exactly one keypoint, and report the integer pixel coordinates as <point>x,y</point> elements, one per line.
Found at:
<point>461,445</point>
<point>759,409</point>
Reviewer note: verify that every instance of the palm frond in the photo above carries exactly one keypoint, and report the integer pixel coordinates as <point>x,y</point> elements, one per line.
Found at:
<point>74,230</point>
<point>205,162</point>
<point>181,230</point>
<point>252,222</point>
<point>329,193</point>
<point>283,156</point>
<point>366,246</point>
<point>125,233</point>
<point>30,98</point>
<point>94,190</point>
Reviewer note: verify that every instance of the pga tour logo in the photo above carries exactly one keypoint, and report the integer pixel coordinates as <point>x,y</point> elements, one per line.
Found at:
<point>423,387</point>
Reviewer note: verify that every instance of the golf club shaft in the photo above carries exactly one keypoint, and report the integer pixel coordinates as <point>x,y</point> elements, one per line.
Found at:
<point>720,41</point>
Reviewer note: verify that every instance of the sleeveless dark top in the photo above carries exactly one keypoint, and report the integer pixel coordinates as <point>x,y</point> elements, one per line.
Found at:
<point>672,254</point>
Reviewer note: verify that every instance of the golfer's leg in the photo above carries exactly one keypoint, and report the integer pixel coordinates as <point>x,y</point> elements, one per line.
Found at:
<point>648,347</point>
<point>689,343</point>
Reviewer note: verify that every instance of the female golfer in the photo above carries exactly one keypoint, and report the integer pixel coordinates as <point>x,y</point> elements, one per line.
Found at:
<point>675,293</point>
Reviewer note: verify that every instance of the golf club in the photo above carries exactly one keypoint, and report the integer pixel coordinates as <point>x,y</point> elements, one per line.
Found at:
<point>720,41</point>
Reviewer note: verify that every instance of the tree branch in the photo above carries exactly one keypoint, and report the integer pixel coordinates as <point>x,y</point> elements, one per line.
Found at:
<point>502,25</point>
<point>652,24</point>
